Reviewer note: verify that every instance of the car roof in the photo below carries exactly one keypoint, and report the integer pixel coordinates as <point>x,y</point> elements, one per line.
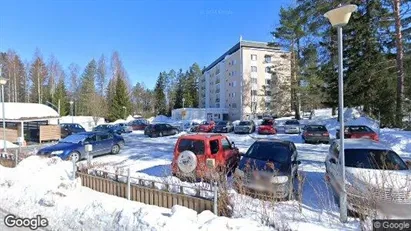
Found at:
<point>363,143</point>
<point>277,141</point>
<point>200,136</point>
<point>90,133</point>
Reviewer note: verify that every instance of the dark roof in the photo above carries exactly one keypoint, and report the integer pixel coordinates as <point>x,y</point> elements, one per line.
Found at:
<point>236,47</point>
<point>277,141</point>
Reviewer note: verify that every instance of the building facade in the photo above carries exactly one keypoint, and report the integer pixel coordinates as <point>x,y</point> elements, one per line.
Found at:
<point>250,80</point>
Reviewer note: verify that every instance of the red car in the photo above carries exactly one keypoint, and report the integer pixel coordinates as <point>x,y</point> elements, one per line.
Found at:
<point>267,127</point>
<point>139,124</point>
<point>201,155</point>
<point>357,132</point>
<point>206,126</point>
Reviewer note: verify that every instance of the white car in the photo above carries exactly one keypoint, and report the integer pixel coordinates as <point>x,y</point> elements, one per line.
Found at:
<point>292,127</point>
<point>377,179</point>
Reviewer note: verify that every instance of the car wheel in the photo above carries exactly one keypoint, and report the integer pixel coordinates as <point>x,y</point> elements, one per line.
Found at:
<point>115,149</point>
<point>74,156</point>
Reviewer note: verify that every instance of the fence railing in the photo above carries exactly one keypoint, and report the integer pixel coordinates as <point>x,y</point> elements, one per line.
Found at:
<point>148,191</point>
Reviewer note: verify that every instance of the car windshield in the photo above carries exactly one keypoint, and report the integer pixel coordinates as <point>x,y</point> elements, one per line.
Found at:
<point>374,159</point>
<point>359,129</point>
<point>102,126</point>
<point>245,123</point>
<point>292,122</point>
<point>75,139</point>
<point>267,122</point>
<point>196,146</point>
<point>269,151</point>
<point>205,123</point>
<point>316,128</point>
<point>223,123</point>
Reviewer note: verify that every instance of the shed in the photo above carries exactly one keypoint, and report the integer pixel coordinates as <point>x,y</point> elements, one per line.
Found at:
<point>30,121</point>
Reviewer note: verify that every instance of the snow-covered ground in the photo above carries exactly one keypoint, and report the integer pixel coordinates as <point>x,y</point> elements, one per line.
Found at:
<point>25,191</point>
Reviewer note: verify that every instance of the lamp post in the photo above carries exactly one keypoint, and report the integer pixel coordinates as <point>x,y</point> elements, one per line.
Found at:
<point>338,18</point>
<point>183,102</point>
<point>299,103</point>
<point>71,111</point>
<point>3,82</point>
<point>125,112</point>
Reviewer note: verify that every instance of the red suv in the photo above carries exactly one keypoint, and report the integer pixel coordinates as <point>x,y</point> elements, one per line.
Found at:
<point>206,126</point>
<point>198,156</point>
<point>267,127</point>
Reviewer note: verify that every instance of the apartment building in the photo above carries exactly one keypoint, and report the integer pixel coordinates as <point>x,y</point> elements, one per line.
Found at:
<point>250,80</point>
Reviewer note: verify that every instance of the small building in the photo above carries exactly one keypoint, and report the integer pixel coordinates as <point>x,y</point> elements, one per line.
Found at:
<point>30,121</point>
<point>215,114</point>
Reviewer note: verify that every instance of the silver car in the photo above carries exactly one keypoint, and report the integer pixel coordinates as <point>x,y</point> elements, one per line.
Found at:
<point>377,179</point>
<point>292,127</point>
<point>245,126</point>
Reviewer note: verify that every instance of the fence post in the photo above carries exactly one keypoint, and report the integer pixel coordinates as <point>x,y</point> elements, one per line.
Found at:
<point>128,184</point>
<point>16,156</point>
<point>74,168</point>
<point>215,198</point>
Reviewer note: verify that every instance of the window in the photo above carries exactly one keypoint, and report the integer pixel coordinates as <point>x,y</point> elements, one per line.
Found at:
<point>214,146</point>
<point>374,159</point>
<point>90,139</point>
<point>196,146</point>
<point>253,92</point>
<point>268,93</point>
<point>267,104</point>
<point>253,69</point>
<point>267,70</point>
<point>229,73</point>
<point>102,137</point>
<point>268,81</point>
<point>234,62</point>
<point>234,105</point>
<point>232,73</point>
<point>254,57</point>
<point>226,144</point>
<point>268,59</point>
<point>269,151</point>
<point>234,83</point>
<point>234,94</point>
<point>253,80</point>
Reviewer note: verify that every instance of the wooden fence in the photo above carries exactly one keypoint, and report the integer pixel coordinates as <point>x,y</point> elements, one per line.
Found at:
<point>145,194</point>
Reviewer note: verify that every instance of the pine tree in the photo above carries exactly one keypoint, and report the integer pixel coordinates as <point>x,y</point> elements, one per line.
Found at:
<point>160,98</point>
<point>178,101</point>
<point>121,105</point>
<point>88,89</point>
<point>61,96</point>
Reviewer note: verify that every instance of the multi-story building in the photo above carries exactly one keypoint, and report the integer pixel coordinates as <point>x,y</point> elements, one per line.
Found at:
<point>250,80</point>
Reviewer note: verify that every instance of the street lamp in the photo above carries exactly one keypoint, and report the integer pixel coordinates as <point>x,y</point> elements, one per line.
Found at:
<point>3,82</point>
<point>299,103</point>
<point>339,17</point>
<point>183,102</point>
<point>125,111</point>
<point>71,111</point>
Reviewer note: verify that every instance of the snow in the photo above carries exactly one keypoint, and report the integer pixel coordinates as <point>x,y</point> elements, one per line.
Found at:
<point>22,111</point>
<point>129,118</point>
<point>86,121</point>
<point>8,144</point>
<point>43,186</point>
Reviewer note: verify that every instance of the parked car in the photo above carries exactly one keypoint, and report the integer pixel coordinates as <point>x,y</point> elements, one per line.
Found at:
<point>73,146</point>
<point>316,134</point>
<point>108,128</point>
<point>70,128</point>
<point>245,126</point>
<point>267,127</point>
<point>125,127</point>
<point>206,126</point>
<point>138,124</point>
<point>376,177</point>
<point>224,126</point>
<point>160,129</point>
<point>200,156</point>
<point>358,131</point>
<point>292,127</point>
<point>269,166</point>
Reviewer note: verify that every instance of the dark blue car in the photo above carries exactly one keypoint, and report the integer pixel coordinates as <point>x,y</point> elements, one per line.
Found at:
<point>116,129</point>
<point>270,166</point>
<point>73,146</point>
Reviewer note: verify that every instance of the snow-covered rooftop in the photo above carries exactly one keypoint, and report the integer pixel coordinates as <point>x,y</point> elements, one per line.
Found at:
<point>27,111</point>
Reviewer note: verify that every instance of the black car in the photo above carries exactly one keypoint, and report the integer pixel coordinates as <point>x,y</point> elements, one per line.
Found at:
<point>270,166</point>
<point>224,126</point>
<point>160,129</point>
<point>315,134</point>
<point>70,128</point>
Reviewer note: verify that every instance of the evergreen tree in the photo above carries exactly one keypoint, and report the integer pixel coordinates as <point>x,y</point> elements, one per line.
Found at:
<point>160,98</point>
<point>178,101</point>
<point>121,105</point>
<point>88,89</point>
<point>38,78</point>
<point>61,95</point>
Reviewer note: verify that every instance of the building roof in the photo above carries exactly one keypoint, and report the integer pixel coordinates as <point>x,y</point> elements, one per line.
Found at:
<point>236,47</point>
<point>27,112</point>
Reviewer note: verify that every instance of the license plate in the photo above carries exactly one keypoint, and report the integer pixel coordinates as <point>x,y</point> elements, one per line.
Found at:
<point>317,134</point>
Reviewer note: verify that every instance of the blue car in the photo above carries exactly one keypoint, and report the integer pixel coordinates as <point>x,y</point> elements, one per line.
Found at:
<point>108,128</point>
<point>73,146</point>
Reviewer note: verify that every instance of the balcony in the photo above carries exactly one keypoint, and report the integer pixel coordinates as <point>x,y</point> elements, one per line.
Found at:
<point>217,81</point>
<point>217,91</point>
<point>217,100</point>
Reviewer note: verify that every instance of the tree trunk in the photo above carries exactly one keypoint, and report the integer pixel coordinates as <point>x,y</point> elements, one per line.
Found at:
<point>400,61</point>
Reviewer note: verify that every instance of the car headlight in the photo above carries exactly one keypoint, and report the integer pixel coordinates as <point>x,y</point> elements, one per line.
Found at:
<point>57,152</point>
<point>279,179</point>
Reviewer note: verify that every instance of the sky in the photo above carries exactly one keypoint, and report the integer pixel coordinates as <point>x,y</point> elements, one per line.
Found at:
<point>150,35</point>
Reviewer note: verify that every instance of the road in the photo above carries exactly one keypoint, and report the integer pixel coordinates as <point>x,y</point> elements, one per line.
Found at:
<point>3,214</point>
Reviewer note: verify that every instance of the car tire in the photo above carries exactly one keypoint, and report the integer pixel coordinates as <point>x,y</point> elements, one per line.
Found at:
<point>115,149</point>
<point>75,155</point>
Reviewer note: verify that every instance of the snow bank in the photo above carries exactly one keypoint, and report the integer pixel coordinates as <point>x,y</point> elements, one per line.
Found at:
<point>17,111</point>
<point>43,186</point>
<point>86,121</point>
<point>8,144</point>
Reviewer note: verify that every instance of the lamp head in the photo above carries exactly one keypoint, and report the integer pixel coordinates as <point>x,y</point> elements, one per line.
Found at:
<point>3,81</point>
<point>341,15</point>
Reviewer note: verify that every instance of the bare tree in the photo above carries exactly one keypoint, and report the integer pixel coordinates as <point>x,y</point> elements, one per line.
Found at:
<point>38,76</point>
<point>54,71</point>
<point>101,75</point>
